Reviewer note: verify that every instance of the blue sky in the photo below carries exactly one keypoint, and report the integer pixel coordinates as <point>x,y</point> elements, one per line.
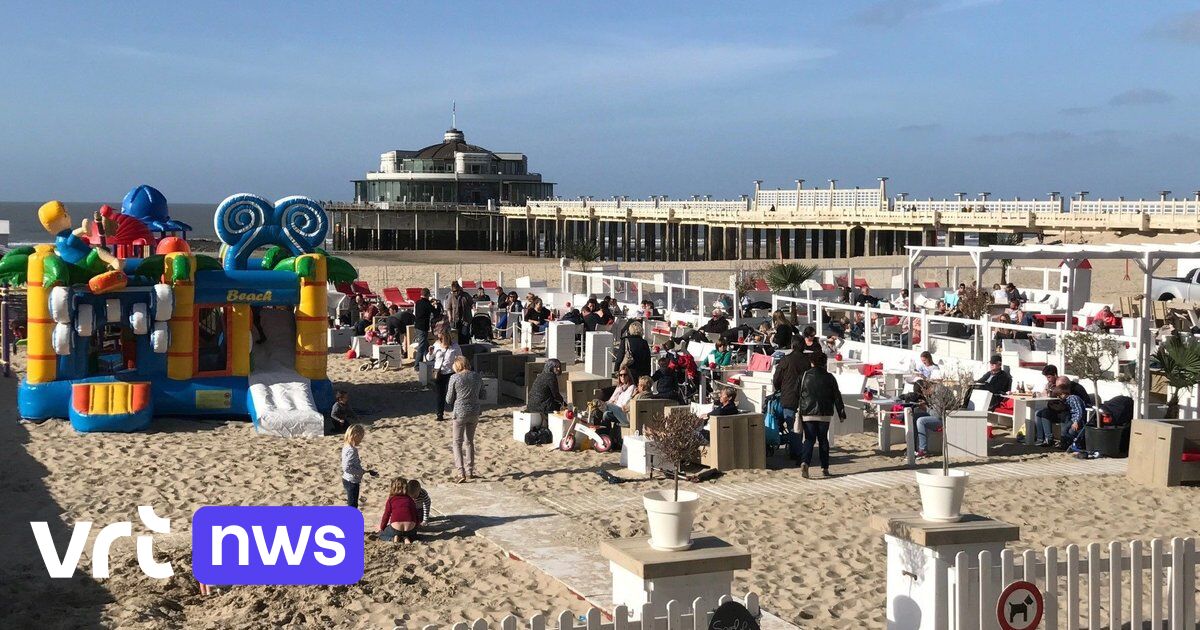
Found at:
<point>639,98</point>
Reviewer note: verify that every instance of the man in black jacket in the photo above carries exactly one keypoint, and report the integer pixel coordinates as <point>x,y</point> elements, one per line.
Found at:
<point>422,310</point>
<point>996,381</point>
<point>544,395</point>
<point>638,351</point>
<point>786,381</point>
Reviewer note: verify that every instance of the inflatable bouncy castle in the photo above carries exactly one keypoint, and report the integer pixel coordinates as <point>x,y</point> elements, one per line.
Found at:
<point>149,328</point>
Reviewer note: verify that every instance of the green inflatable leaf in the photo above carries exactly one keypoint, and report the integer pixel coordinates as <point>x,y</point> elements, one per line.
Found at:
<point>287,264</point>
<point>179,268</point>
<point>13,267</point>
<point>55,272</point>
<point>306,268</point>
<point>207,263</point>
<point>151,267</point>
<point>338,270</point>
<point>273,256</point>
<point>24,250</point>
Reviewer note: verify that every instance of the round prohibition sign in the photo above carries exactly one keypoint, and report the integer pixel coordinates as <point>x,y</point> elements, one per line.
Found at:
<point>1020,606</point>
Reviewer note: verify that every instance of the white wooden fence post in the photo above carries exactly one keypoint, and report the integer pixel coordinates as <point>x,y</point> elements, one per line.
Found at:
<point>1114,585</point>
<point>1135,584</point>
<point>1156,587</point>
<point>1072,587</point>
<point>1050,616</point>
<point>1093,571</point>
<point>962,590</point>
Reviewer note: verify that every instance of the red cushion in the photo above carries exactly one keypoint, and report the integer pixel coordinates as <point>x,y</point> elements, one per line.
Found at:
<point>1191,457</point>
<point>1005,407</point>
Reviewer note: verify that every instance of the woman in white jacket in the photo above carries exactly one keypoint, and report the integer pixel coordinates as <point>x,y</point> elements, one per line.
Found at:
<point>441,355</point>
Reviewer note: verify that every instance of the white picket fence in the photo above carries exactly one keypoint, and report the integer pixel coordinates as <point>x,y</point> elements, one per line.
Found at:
<point>679,616</point>
<point>1136,583</point>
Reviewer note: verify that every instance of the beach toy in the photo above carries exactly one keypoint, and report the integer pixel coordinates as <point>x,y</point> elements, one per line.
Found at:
<point>108,282</point>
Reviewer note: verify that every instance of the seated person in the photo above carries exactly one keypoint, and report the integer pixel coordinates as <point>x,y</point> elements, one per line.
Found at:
<point>718,324</point>
<point>927,369</point>
<point>996,381</point>
<point>900,302</point>
<point>666,382</point>
<point>720,355</point>
<point>1072,422</point>
<point>537,315</point>
<point>1104,321</point>
<point>726,403</point>
<point>833,347</point>
<point>591,318</point>
<point>617,404</point>
<point>783,332</point>
<point>544,396</point>
<point>481,295</point>
<point>1012,294</point>
<point>999,295</point>
<point>858,329</point>
<point>571,315</point>
<point>865,298</point>
<point>844,295</point>
<point>726,302</point>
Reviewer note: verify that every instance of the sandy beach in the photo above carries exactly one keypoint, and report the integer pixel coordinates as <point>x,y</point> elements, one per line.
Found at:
<point>816,561</point>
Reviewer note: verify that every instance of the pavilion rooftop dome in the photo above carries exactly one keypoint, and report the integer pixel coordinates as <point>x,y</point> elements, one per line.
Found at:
<point>454,141</point>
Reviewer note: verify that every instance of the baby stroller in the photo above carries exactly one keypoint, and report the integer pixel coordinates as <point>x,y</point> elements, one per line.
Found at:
<point>687,375</point>
<point>481,327</point>
<point>773,424</point>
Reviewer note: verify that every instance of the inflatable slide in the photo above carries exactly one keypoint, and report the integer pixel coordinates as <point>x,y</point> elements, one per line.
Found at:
<point>281,401</point>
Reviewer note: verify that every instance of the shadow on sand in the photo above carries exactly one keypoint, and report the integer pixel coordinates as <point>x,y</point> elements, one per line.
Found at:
<point>31,598</point>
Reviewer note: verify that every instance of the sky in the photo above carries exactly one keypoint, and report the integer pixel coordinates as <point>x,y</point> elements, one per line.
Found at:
<point>203,100</point>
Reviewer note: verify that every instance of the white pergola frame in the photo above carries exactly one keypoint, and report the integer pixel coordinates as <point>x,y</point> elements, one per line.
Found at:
<point>1147,257</point>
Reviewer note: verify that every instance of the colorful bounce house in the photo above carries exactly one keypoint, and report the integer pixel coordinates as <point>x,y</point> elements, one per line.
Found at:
<point>148,328</point>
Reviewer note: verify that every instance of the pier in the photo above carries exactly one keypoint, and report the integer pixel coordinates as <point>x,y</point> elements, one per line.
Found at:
<point>770,224</point>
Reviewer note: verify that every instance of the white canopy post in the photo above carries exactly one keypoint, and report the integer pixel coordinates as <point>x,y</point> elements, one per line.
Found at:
<point>1149,264</point>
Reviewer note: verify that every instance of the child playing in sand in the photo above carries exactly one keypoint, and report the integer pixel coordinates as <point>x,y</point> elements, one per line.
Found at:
<point>341,414</point>
<point>420,497</point>
<point>352,470</point>
<point>400,514</point>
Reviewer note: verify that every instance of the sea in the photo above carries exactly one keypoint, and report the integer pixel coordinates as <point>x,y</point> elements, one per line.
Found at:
<point>24,227</point>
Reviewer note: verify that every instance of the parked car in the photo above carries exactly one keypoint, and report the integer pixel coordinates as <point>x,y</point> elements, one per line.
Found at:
<point>1186,288</point>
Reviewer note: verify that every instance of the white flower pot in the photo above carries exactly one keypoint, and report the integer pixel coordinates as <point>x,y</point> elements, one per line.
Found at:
<point>670,521</point>
<point>941,495</point>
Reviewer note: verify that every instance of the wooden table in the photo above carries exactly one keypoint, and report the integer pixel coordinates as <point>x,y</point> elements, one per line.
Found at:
<point>1025,408</point>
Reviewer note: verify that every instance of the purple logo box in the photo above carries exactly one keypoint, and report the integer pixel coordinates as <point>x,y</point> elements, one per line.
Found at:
<point>277,545</point>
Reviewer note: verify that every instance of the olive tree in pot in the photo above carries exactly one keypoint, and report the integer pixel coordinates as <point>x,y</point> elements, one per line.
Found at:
<point>676,439</point>
<point>942,490</point>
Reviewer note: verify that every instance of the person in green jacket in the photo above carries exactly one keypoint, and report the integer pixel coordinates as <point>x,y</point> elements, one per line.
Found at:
<point>720,355</point>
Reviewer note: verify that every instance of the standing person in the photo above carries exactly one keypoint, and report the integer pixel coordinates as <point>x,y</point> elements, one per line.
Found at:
<point>819,399</point>
<point>352,470</point>
<point>633,353</point>
<point>341,413</point>
<point>443,353</point>
<point>462,393</point>
<point>786,381</point>
<point>458,308</point>
<point>422,311</point>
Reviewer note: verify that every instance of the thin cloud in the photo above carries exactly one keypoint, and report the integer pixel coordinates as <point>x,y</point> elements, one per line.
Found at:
<point>1050,136</point>
<point>1183,28</point>
<point>1078,111</point>
<point>893,12</point>
<point>1140,97</point>
<point>924,128</point>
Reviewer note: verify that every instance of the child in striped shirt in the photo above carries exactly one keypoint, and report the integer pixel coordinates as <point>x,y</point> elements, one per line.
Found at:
<point>421,497</point>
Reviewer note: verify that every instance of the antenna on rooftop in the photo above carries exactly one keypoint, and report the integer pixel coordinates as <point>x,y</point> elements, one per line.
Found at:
<point>454,114</point>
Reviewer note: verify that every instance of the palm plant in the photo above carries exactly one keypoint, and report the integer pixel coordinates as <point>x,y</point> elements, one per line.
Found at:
<point>584,253</point>
<point>1178,357</point>
<point>788,276</point>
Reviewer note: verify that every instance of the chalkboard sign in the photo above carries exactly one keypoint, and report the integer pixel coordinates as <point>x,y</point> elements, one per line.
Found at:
<point>732,616</point>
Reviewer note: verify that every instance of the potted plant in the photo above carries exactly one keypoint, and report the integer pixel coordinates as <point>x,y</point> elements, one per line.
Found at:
<point>1090,356</point>
<point>676,439</point>
<point>1178,357</point>
<point>942,490</point>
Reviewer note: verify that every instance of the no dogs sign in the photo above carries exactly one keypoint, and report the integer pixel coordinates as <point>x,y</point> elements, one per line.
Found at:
<point>1020,606</point>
